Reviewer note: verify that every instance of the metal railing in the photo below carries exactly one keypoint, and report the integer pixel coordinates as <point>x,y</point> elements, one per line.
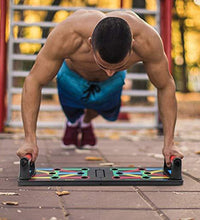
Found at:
<point>14,73</point>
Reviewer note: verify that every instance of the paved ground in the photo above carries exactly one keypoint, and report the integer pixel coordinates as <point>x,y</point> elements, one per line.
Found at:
<point>142,148</point>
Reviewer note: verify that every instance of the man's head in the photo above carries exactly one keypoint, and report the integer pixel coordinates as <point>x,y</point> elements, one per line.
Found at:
<point>112,39</point>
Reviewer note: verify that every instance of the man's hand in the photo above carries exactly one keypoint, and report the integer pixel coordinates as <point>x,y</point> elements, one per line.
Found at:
<point>28,148</point>
<point>171,151</point>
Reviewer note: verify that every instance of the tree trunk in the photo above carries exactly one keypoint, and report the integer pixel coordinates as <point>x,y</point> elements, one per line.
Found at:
<point>49,17</point>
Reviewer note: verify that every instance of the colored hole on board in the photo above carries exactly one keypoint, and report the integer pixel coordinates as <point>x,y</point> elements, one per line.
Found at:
<point>141,168</point>
<point>57,169</point>
<point>117,177</point>
<point>54,177</point>
<point>145,177</point>
<point>119,172</point>
<point>114,169</point>
<point>51,173</point>
<point>85,169</point>
<point>80,173</point>
<point>84,177</point>
<point>147,172</point>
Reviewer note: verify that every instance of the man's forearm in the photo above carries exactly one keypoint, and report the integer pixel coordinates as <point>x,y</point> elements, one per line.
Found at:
<point>31,98</point>
<point>168,112</point>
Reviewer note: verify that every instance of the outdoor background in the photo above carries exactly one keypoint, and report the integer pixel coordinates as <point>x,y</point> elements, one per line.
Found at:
<point>185,32</point>
<point>185,46</point>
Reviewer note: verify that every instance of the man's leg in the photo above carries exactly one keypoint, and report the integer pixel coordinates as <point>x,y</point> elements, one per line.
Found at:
<point>111,114</point>
<point>88,136</point>
<point>89,115</point>
<point>73,125</point>
<point>79,122</point>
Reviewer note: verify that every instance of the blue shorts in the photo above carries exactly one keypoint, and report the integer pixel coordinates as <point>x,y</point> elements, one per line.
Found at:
<point>76,94</point>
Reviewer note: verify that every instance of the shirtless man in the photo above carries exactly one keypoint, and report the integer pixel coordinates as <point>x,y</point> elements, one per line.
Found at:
<point>90,52</point>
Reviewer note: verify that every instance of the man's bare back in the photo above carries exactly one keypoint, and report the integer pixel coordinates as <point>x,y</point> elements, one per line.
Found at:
<point>76,29</point>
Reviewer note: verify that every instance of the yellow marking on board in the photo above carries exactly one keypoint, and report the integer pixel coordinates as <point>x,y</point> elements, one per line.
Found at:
<point>159,177</point>
<point>67,175</point>
<point>40,177</point>
<point>43,171</point>
<point>155,171</point>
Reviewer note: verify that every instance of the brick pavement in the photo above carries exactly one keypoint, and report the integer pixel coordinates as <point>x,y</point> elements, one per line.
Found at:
<point>104,202</point>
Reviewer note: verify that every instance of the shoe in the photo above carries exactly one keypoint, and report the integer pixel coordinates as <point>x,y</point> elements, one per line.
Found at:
<point>88,136</point>
<point>71,135</point>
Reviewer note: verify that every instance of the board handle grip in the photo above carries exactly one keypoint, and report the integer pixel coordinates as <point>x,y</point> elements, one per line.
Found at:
<point>27,167</point>
<point>28,156</point>
<point>174,171</point>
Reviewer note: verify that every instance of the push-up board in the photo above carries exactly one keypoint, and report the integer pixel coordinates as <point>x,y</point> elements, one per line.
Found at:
<point>97,176</point>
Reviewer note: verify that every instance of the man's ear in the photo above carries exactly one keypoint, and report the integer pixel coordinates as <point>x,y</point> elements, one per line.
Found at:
<point>90,41</point>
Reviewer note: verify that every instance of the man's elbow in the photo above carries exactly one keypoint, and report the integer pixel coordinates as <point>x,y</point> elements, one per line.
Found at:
<point>32,82</point>
<point>169,87</point>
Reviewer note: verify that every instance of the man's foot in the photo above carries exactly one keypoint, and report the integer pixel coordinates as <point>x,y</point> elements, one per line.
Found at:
<point>88,136</point>
<point>71,135</point>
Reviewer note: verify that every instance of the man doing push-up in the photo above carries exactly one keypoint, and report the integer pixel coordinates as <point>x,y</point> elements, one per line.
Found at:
<point>90,52</point>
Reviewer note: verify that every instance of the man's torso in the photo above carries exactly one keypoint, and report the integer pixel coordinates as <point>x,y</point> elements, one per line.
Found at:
<point>82,24</point>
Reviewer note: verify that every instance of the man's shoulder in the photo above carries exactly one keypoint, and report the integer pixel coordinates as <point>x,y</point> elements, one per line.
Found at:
<point>69,35</point>
<point>84,15</point>
<point>81,22</point>
<point>147,42</point>
<point>148,45</point>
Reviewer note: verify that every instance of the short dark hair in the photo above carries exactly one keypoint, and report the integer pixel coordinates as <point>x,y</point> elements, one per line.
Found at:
<point>112,39</point>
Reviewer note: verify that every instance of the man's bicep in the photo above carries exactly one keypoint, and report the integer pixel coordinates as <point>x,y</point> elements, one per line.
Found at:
<point>158,72</point>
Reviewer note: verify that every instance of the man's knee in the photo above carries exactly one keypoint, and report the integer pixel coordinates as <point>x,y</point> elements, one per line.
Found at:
<point>72,114</point>
<point>111,114</point>
<point>91,112</point>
